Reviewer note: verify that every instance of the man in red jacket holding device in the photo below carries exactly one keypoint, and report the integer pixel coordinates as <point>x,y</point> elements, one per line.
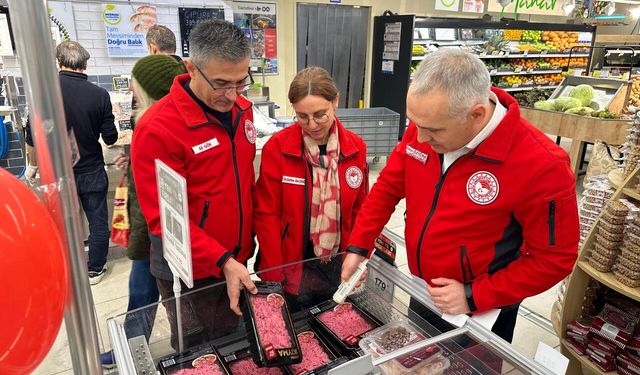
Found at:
<point>491,204</point>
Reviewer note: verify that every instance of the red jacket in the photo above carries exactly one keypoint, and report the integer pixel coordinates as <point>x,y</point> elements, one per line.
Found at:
<point>283,199</point>
<point>219,173</point>
<point>503,217</point>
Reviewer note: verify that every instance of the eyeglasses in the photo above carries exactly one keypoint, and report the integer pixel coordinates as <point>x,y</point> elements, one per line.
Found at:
<point>227,90</point>
<point>320,120</point>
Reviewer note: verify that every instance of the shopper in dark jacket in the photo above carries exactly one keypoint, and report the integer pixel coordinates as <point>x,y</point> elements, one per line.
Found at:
<point>89,116</point>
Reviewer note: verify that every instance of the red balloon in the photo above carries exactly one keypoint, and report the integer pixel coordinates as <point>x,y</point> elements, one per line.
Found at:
<point>33,278</point>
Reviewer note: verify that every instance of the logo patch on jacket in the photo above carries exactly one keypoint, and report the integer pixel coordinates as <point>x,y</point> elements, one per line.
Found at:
<point>204,146</point>
<point>250,132</point>
<point>419,156</point>
<point>293,180</point>
<point>483,187</point>
<point>354,176</point>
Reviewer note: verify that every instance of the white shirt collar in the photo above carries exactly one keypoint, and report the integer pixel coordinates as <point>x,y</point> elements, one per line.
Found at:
<point>498,114</point>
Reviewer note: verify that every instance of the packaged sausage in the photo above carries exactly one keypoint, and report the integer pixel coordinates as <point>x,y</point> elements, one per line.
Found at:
<point>603,364</point>
<point>200,360</point>
<point>580,325</point>
<point>269,328</point>
<point>614,325</point>
<point>577,347</point>
<point>397,335</point>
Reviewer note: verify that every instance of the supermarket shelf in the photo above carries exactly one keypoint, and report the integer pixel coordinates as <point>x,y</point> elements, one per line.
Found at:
<point>523,72</point>
<point>532,55</point>
<point>610,281</point>
<point>631,193</point>
<point>616,177</point>
<point>589,366</point>
<point>526,88</point>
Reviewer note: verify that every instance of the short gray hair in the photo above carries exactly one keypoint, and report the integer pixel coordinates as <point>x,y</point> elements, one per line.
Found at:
<point>460,75</point>
<point>163,38</point>
<point>72,55</point>
<point>217,39</point>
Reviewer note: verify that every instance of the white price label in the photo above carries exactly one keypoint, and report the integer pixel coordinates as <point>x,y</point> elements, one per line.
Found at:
<point>493,71</point>
<point>381,284</point>
<point>551,359</point>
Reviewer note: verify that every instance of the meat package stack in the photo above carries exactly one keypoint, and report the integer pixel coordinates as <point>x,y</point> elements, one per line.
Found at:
<point>610,339</point>
<point>610,234</point>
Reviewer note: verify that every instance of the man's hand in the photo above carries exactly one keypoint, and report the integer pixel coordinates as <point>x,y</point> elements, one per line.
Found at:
<point>448,295</point>
<point>350,265</point>
<point>121,161</point>
<point>237,277</point>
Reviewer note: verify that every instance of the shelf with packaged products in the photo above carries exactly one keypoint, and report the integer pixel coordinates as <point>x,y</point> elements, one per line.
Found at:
<point>588,367</point>
<point>610,281</point>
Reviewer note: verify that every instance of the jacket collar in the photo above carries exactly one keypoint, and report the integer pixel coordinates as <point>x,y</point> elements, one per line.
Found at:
<point>72,74</point>
<point>192,114</point>
<point>497,146</point>
<point>293,144</point>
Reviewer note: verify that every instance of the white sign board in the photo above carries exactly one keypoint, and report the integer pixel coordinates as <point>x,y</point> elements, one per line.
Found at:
<point>174,218</point>
<point>6,48</point>
<point>448,5</point>
<point>61,17</point>
<point>126,26</point>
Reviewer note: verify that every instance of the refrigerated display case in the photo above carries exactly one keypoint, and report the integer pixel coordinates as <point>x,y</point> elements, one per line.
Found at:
<point>395,304</point>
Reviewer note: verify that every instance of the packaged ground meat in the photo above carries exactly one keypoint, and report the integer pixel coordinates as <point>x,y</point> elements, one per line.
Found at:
<point>269,328</point>
<point>345,323</point>
<point>241,362</point>
<point>614,325</point>
<point>200,360</point>
<point>317,358</point>
<point>399,334</point>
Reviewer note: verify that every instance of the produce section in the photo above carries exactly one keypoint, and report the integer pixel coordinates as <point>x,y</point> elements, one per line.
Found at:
<point>520,56</point>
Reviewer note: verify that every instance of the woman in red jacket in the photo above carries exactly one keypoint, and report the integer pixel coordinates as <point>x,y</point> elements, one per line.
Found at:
<point>313,180</point>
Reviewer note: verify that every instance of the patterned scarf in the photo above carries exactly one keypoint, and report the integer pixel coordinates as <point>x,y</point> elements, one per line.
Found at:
<point>325,202</point>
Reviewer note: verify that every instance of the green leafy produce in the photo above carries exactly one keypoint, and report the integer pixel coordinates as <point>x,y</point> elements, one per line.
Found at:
<point>565,102</point>
<point>595,106</point>
<point>583,92</point>
<point>544,104</point>
<point>582,111</point>
<point>603,114</point>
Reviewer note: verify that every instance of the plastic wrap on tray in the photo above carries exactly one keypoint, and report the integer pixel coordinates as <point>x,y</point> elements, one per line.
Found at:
<point>345,323</point>
<point>269,328</point>
<point>614,325</point>
<point>200,360</point>
<point>397,335</point>
<point>317,358</point>
<point>241,363</point>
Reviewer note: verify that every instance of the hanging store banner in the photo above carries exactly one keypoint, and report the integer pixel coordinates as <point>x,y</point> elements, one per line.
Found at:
<point>61,17</point>
<point>258,21</point>
<point>126,28</point>
<point>517,7</point>
<point>473,6</point>
<point>448,5</point>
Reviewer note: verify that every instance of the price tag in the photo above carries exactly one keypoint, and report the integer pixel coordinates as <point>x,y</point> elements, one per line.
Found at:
<point>515,85</point>
<point>493,71</point>
<point>543,52</point>
<point>380,284</point>
<point>517,69</point>
<point>551,359</point>
<point>525,53</point>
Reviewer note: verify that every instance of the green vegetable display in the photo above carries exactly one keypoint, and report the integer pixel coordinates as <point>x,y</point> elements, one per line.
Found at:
<point>565,102</point>
<point>583,92</point>
<point>582,111</point>
<point>544,104</point>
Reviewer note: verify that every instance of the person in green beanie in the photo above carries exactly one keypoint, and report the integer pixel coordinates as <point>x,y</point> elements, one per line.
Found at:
<point>152,79</point>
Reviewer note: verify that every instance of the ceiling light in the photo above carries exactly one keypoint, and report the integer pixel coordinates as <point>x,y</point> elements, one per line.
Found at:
<point>609,9</point>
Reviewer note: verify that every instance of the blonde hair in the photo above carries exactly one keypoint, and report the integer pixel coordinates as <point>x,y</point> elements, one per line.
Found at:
<point>143,100</point>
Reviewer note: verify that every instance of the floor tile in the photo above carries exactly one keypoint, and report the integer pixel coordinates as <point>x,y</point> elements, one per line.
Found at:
<point>527,335</point>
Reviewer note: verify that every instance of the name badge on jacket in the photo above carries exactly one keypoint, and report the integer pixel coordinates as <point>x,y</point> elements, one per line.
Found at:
<point>204,146</point>
<point>293,180</point>
<point>419,156</point>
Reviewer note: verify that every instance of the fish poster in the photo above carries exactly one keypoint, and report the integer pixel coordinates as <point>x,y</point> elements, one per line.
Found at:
<point>126,28</point>
<point>258,21</point>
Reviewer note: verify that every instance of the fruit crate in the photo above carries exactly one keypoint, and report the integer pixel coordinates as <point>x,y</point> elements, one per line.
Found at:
<point>378,127</point>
